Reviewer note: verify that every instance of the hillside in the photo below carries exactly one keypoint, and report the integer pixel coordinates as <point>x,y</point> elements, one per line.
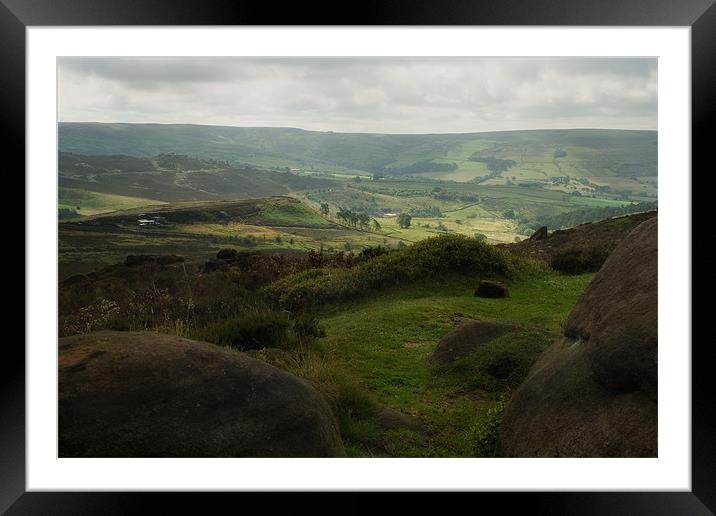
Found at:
<point>526,155</point>
<point>169,177</point>
<point>198,229</point>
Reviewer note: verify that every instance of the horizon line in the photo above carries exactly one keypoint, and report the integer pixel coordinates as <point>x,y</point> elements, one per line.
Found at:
<point>327,131</point>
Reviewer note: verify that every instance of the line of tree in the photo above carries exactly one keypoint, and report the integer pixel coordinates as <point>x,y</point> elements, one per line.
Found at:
<point>357,220</point>
<point>426,211</point>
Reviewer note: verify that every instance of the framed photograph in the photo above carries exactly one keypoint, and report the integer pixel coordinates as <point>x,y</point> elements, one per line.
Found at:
<point>415,253</point>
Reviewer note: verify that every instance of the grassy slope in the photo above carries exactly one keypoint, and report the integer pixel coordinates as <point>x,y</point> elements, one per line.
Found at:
<point>385,341</point>
<point>94,203</point>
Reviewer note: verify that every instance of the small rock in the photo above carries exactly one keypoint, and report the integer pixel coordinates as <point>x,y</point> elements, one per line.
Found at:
<point>488,288</point>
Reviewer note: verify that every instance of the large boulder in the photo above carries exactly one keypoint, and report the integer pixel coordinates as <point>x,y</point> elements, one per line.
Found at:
<point>144,394</point>
<point>593,394</point>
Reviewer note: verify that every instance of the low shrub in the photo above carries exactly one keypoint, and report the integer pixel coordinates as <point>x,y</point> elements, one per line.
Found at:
<point>486,429</point>
<point>252,330</point>
<point>307,327</point>
<point>579,261</point>
<point>448,254</point>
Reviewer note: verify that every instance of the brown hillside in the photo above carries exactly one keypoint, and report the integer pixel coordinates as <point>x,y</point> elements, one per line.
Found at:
<point>604,235</point>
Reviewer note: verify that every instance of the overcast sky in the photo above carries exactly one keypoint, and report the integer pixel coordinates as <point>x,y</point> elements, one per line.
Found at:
<point>390,95</point>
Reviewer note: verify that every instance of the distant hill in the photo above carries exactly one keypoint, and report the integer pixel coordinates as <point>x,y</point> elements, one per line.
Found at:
<point>589,153</point>
<point>171,177</point>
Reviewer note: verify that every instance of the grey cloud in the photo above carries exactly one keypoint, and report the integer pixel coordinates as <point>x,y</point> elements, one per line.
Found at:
<point>363,94</point>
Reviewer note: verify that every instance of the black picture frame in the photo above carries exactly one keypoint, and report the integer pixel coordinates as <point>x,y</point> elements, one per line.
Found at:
<point>17,15</point>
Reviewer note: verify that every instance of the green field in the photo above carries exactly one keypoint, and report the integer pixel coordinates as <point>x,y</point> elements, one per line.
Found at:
<point>483,213</point>
<point>384,343</point>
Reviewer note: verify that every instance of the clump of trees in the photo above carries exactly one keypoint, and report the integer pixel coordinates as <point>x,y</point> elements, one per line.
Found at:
<point>494,165</point>
<point>440,194</point>
<point>356,220</point>
<point>404,220</point>
<point>426,211</point>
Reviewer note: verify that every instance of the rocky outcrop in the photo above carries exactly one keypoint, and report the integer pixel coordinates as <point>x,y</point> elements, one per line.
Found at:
<point>144,394</point>
<point>540,234</point>
<point>593,394</point>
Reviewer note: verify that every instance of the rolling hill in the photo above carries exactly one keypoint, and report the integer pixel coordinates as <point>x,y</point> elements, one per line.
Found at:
<point>537,154</point>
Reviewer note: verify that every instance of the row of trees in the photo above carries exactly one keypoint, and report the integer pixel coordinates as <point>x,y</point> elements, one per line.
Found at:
<point>356,220</point>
